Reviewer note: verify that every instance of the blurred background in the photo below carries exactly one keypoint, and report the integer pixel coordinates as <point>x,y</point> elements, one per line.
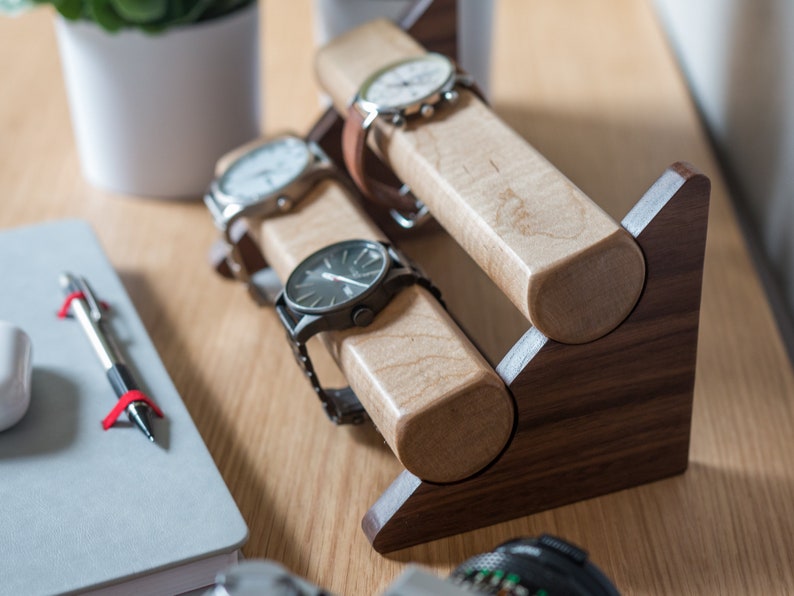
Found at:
<point>738,57</point>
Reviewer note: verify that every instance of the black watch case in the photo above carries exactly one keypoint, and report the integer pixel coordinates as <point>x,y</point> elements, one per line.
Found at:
<point>340,286</point>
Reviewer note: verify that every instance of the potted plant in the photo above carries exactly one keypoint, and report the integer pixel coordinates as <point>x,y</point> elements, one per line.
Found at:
<point>158,89</point>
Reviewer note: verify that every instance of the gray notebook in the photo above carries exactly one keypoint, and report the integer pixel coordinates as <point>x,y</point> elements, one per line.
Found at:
<point>82,508</point>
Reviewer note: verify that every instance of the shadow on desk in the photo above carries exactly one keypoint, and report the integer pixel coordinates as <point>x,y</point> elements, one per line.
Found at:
<point>696,533</point>
<point>241,475</point>
<point>615,156</point>
<point>51,423</point>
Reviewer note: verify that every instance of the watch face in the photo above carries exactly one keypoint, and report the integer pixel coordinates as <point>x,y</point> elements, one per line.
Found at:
<point>336,276</point>
<point>263,171</point>
<point>405,83</point>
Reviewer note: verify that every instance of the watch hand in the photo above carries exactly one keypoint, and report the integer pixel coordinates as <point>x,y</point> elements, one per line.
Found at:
<point>258,174</point>
<point>263,172</point>
<point>422,78</point>
<point>347,280</point>
<point>399,85</point>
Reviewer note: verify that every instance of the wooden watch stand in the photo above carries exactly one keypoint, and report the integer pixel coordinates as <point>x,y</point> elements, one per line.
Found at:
<point>590,418</point>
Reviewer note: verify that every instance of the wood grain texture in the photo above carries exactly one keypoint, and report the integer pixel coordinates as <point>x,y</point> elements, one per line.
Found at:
<point>600,96</point>
<point>435,400</point>
<point>572,271</point>
<point>592,418</point>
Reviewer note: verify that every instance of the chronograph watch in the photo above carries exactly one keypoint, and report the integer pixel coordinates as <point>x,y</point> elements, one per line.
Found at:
<point>340,286</point>
<point>416,87</point>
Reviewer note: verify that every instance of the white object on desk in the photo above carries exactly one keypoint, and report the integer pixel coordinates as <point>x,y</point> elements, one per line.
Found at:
<point>153,113</point>
<point>15,373</point>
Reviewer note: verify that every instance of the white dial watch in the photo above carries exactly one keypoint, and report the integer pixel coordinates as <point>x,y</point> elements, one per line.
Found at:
<point>267,179</point>
<point>261,180</point>
<point>416,87</point>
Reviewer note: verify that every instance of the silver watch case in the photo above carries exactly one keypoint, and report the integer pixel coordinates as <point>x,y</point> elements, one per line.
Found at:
<point>225,209</point>
<point>424,106</point>
<point>398,114</point>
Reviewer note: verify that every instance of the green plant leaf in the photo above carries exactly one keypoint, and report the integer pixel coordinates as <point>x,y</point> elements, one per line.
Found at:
<point>70,9</point>
<point>151,16</point>
<point>179,12</point>
<point>140,11</point>
<point>222,7</point>
<point>188,11</point>
<point>105,15</point>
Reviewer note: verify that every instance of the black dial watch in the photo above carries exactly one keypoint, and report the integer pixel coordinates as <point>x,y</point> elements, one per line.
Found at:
<point>340,286</point>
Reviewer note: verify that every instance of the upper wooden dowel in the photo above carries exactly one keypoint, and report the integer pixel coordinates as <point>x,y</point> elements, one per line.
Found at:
<point>571,269</point>
<point>438,404</point>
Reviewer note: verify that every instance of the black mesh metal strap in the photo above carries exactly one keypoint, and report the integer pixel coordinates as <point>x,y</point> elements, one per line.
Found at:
<point>341,405</point>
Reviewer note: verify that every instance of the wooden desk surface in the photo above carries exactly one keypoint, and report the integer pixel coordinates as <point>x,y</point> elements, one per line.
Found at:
<point>594,87</point>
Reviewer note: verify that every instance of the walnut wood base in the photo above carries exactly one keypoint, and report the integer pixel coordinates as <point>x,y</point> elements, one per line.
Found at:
<point>591,418</point>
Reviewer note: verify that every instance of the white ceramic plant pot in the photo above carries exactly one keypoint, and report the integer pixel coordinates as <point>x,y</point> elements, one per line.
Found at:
<point>475,26</point>
<point>152,113</point>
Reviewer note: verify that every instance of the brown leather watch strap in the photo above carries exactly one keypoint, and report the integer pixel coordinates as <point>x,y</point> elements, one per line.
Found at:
<point>354,153</point>
<point>354,138</point>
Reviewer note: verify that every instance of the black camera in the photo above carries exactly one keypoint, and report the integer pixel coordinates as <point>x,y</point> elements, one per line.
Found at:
<point>542,566</point>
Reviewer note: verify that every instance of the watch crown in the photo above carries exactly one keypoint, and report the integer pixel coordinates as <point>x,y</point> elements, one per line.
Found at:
<point>427,110</point>
<point>398,120</point>
<point>284,203</point>
<point>363,316</point>
<point>452,96</point>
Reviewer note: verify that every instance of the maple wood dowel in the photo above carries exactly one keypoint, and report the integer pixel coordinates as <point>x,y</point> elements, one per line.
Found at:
<point>571,269</point>
<point>438,404</point>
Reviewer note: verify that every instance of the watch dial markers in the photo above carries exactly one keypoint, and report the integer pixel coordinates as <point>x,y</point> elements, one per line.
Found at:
<point>408,82</point>
<point>264,170</point>
<point>330,278</point>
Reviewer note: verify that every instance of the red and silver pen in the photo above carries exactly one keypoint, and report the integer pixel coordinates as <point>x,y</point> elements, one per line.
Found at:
<point>88,312</point>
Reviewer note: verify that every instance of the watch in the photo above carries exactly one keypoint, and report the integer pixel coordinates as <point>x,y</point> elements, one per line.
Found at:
<point>342,285</point>
<point>415,87</point>
<point>268,179</point>
<point>265,180</point>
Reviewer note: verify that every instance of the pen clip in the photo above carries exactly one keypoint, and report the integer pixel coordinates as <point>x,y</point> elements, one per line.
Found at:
<point>94,306</point>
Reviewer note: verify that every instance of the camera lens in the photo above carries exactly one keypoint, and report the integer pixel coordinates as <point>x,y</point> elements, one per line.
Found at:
<point>543,566</point>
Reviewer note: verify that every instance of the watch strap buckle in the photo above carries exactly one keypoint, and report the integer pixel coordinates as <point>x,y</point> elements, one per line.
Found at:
<point>407,219</point>
<point>238,257</point>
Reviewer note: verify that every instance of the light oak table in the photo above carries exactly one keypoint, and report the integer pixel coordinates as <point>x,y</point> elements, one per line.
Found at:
<point>594,87</point>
